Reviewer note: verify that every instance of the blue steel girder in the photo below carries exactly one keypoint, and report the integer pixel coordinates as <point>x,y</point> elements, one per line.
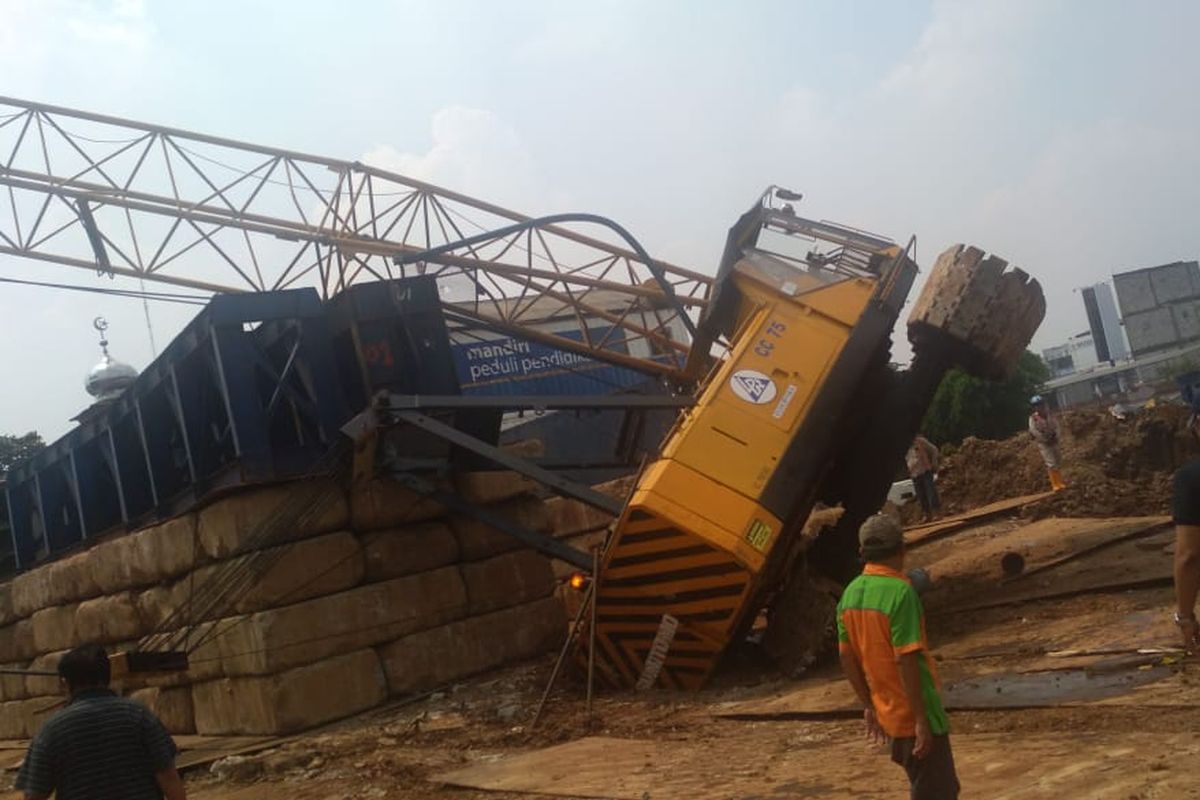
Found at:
<point>248,391</point>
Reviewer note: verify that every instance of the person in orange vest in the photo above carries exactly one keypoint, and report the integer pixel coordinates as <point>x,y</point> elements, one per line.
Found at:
<point>1044,430</point>
<point>885,657</point>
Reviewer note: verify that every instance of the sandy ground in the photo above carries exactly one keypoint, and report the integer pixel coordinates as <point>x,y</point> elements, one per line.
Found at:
<point>1136,741</point>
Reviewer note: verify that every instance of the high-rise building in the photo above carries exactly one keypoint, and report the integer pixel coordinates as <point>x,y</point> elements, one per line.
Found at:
<point>1160,306</point>
<point>1108,336</point>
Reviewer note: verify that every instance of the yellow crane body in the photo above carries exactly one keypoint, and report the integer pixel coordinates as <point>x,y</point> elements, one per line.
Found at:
<point>691,548</point>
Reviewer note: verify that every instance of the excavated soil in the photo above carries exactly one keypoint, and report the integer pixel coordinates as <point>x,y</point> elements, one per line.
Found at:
<point>1112,467</point>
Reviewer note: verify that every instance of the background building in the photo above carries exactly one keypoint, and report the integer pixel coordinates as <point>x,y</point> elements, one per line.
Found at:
<point>1135,355</point>
<point>1108,336</point>
<point>1160,306</point>
<point>1077,354</point>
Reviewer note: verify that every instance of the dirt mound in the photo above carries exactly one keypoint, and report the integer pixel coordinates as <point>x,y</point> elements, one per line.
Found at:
<point>1112,467</point>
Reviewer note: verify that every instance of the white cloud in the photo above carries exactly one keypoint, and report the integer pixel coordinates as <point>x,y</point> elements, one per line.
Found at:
<point>801,112</point>
<point>1100,198</point>
<point>121,23</point>
<point>477,153</point>
<point>574,31</point>
<point>98,41</point>
<point>966,47</point>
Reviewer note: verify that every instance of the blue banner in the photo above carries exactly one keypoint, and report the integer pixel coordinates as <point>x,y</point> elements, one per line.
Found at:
<point>513,366</point>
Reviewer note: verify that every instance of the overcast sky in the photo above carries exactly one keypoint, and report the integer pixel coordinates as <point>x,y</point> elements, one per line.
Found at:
<point>1060,135</point>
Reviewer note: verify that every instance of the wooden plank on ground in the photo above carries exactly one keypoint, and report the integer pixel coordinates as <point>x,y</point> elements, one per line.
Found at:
<point>831,764</point>
<point>631,769</point>
<point>1078,631</point>
<point>1153,526</point>
<point>1116,685</point>
<point>214,748</point>
<point>1129,564</point>
<point>193,750</point>
<point>971,574</point>
<point>920,534</point>
<point>813,698</point>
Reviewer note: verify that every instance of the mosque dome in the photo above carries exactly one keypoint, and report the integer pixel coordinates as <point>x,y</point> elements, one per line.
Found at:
<point>110,377</point>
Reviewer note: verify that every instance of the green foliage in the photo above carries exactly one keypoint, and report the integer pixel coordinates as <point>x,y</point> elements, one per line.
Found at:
<point>965,406</point>
<point>15,449</point>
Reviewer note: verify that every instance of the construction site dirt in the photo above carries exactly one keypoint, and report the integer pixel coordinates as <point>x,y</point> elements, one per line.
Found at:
<point>1062,681</point>
<point>1113,467</point>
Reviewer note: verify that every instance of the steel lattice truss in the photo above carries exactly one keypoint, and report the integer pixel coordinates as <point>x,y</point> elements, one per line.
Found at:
<point>154,203</point>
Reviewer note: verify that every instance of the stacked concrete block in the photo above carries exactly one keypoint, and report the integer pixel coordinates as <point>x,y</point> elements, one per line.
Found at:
<point>109,619</point>
<point>227,526</point>
<point>584,528</point>
<point>291,700</point>
<point>487,488</point>
<point>404,551</point>
<point>380,593</point>
<point>12,685</point>
<point>475,644</point>
<point>54,628</point>
<point>506,580</point>
<point>172,705</point>
<point>381,504</point>
<point>7,614</point>
<point>284,574</point>
<point>42,685</point>
<point>315,567</point>
<point>16,641</point>
<point>478,540</point>
<point>146,557</point>
<point>30,592</point>
<point>281,638</point>
<point>21,719</point>
<point>72,578</point>
<point>581,526</point>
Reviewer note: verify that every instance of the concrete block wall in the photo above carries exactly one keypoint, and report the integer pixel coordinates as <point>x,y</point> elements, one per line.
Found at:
<point>383,595</point>
<point>583,527</point>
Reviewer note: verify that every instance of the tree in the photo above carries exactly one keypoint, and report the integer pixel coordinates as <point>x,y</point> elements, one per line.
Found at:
<point>965,406</point>
<point>15,449</point>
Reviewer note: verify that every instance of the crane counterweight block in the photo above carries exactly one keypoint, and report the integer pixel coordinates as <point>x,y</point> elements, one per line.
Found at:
<point>977,313</point>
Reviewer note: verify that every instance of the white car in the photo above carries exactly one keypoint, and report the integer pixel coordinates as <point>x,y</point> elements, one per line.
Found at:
<point>902,492</point>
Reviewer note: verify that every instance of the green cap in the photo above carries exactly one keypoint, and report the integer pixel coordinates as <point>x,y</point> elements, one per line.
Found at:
<point>880,534</point>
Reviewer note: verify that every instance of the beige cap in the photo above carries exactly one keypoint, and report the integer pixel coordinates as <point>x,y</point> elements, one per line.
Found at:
<point>880,533</point>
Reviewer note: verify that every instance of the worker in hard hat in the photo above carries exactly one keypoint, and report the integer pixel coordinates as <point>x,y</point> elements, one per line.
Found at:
<point>1044,430</point>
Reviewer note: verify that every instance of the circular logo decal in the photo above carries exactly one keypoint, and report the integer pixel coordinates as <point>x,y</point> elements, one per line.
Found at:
<point>752,386</point>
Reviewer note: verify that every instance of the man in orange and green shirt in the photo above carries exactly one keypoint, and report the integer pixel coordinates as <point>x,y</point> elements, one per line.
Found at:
<point>881,640</point>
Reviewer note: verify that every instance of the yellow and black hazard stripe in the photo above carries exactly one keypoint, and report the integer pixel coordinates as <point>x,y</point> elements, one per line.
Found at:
<point>654,569</point>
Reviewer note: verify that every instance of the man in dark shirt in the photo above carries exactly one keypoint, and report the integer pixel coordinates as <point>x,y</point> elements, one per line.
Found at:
<point>1185,509</point>
<point>101,746</point>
